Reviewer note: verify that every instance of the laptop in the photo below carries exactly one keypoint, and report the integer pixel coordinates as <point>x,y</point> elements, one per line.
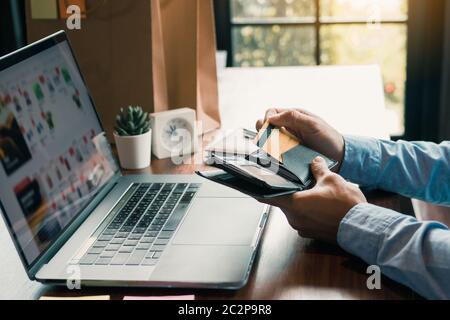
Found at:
<point>73,216</point>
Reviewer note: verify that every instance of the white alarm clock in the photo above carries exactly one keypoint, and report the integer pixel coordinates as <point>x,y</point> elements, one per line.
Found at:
<point>174,133</point>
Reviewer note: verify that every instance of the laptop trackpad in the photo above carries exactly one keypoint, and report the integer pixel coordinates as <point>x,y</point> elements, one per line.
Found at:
<point>213,221</point>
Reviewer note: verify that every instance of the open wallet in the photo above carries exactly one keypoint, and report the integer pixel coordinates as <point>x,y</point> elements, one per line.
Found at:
<point>280,166</point>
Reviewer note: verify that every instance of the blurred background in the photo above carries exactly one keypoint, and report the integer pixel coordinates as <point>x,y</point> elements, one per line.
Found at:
<point>325,32</point>
<point>407,38</point>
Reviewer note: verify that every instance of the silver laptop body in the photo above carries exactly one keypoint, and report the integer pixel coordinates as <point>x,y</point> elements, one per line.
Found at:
<point>75,219</point>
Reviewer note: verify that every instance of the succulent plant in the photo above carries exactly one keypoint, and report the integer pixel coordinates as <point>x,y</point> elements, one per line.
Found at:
<point>132,122</point>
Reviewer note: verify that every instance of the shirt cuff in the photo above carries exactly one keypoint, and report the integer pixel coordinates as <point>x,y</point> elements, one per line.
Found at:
<point>361,161</point>
<point>362,230</point>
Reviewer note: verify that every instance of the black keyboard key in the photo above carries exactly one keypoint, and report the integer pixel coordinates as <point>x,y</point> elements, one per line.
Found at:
<point>126,229</point>
<point>131,222</point>
<point>188,196</point>
<point>181,186</point>
<point>174,200</point>
<point>159,222</point>
<point>156,186</point>
<point>149,216</point>
<point>169,186</point>
<point>155,228</point>
<point>123,214</point>
<point>115,226</point>
<point>144,224</point>
<point>176,217</point>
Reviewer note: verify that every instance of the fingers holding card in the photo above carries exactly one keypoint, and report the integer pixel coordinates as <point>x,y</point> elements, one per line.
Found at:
<point>275,141</point>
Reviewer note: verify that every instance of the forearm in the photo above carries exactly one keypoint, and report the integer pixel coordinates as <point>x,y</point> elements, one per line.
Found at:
<point>416,254</point>
<point>418,170</point>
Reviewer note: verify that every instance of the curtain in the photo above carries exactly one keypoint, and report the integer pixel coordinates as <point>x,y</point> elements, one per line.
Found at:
<point>444,132</point>
<point>12,25</point>
<point>426,71</point>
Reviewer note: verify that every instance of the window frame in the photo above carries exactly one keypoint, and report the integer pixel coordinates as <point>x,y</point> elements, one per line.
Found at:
<point>224,14</point>
<point>423,90</point>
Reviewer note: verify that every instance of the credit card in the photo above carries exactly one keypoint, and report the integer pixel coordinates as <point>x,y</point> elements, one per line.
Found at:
<point>275,141</point>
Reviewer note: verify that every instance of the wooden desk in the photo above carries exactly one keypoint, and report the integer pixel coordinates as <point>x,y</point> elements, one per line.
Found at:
<point>287,267</point>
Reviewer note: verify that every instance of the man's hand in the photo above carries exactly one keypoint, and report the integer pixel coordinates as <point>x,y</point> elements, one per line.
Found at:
<point>311,130</point>
<point>317,213</point>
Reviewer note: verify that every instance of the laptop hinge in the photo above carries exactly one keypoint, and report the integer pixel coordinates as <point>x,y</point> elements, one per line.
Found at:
<point>53,249</point>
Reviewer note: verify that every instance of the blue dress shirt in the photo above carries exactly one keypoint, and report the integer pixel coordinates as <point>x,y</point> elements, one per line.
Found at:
<point>416,254</point>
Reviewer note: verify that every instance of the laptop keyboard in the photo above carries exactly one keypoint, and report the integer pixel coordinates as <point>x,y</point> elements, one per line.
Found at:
<point>143,227</point>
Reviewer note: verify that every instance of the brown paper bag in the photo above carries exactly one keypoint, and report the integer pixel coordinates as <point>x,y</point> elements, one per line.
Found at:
<point>190,51</point>
<point>121,54</point>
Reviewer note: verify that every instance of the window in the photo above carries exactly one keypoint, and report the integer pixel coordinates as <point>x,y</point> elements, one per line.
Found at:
<point>326,32</point>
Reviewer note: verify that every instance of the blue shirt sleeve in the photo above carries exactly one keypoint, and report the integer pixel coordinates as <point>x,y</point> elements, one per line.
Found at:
<point>416,254</point>
<point>418,170</point>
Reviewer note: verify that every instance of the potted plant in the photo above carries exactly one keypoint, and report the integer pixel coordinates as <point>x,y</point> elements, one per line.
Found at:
<point>133,138</point>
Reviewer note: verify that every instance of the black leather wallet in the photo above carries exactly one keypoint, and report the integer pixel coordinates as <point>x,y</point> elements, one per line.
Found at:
<point>261,176</point>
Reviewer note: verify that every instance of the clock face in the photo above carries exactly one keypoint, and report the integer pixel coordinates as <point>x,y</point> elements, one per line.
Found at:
<point>177,134</point>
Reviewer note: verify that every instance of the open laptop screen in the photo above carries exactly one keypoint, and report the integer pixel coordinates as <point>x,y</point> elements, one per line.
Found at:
<point>53,154</point>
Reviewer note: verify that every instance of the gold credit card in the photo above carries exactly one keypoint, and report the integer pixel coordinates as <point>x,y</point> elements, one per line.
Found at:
<point>275,141</point>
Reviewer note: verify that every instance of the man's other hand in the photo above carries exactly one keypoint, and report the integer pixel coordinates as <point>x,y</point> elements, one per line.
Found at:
<point>311,130</point>
<point>317,213</point>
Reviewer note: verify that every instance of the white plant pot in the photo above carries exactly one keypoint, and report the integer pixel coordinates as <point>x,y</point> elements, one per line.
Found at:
<point>135,152</point>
